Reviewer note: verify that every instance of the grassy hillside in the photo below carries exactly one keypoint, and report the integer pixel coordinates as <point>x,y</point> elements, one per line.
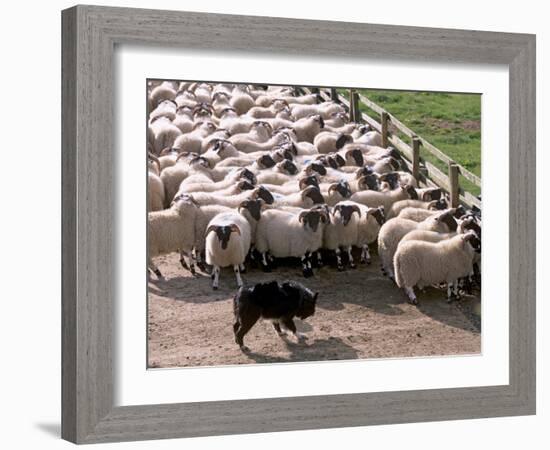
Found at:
<point>451,122</point>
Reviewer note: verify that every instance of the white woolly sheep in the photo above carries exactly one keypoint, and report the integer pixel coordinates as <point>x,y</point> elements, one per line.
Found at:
<point>291,234</point>
<point>424,263</point>
<point>395,229</point>
<point>172,230</point>
<point>227,244</point>
<point>398,206</point>
<point>374,199</point>
<point>341,231</point>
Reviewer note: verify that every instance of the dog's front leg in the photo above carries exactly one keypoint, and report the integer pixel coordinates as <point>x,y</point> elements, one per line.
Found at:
<point>291,326</point>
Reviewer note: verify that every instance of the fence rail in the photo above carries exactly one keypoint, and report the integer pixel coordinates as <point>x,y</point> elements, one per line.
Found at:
<point>429,174</point>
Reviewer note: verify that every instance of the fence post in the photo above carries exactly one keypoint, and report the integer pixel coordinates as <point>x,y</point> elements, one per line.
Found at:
<point>416,158</point>
<point>351,106</point>
<point>314,90</point>
<point>453,181</point>
<point>384,128</point>
<point>334,95</point>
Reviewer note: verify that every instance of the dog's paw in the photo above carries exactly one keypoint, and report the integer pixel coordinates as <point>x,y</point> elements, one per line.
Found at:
<point>244,349</point>
<point>301,338</point>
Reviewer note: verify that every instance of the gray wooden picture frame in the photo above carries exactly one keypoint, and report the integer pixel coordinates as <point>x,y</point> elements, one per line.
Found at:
<point>90,34</point>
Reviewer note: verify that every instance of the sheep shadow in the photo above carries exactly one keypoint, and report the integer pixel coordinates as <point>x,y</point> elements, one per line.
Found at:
<point>332,348</point>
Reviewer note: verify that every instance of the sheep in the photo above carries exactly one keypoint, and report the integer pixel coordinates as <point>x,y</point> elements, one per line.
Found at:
<point>164,91</point>
<point>260,112</point>
<point>328,141</point>
<point>203,93</point>
<point>423,263</point>
<point>192,142</point>
<point>167,109</point>
<point>291,234</point>
<point>210,198</point>
<point>309,196</point>
<point>325,110</point>
<point>241,100</point>
<point>385,199</point>
<point>172,230</point>
<point>183,119</point>
<point>155,191</point>
<point>398,206</point>
<point>292,186</point>
<point>394,229</point>
<point>341,231</point>
<point>247,145</point>
<point>249,209</point>
<point>307,128</point>
<point>227,244</point>
<point>259,132</point>
<point>419,214</point>
<point>394,179</point>
<point>164,134</point>
<point>336,192</point>
<point>368,229</point>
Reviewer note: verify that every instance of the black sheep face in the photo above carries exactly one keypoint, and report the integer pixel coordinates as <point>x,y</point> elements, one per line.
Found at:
<point>246,173</point>
<point>265,195</point>
<point>266,161</point>
<point>289,167</point>
<point>378,214</point>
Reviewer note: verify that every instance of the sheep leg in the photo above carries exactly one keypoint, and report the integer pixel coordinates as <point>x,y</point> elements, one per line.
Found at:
<point>215,277</point>
<point>242,268</point>
<point>365,254</point>
<point>306,270</point>
<point>200,263</point>
<point>184,263</point>
<point>265,266</point>
<point>339,264</point>
<point>319,259</point>
<point>155,269</point>
<point>449,292</point>
<point>455,289</point>
<point>350,258</point>
<point>410,294</point>
<point>238,275</point>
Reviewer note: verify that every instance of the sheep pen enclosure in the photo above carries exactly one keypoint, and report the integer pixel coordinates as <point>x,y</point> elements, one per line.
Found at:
<point>211,146</point>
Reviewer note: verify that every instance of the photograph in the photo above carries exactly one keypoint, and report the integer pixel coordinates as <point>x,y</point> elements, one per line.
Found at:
<point>290,224</point>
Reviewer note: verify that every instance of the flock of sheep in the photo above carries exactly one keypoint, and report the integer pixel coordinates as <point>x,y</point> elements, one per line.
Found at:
<point>246,172</point>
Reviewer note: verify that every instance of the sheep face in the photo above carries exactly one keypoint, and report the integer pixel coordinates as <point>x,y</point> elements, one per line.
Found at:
<point>287,167</point>
<point>313,218</point>
<point>316,167</point>
<point>346,212</point>
<point>342,187</point>
<point>254,207</point>
<point>378,214</point>
<point>447,219</point>
<point>432,194</point>
<point>363,171</point>
<point>223,233</point>
<point>247,174</point>
<point>392,178</point>
<point>471,239</point>
<point>314,194</point>
<point>369,182</point>
<point>357,156</point>
<point>245,185</point>
<point>342,140</point>
<point>310,180</point>
<point>265,162</point>
<point>264,194</point>
<point>411,192</point>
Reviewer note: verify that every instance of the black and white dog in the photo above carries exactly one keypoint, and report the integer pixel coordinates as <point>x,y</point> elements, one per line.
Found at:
<point>277,302</point>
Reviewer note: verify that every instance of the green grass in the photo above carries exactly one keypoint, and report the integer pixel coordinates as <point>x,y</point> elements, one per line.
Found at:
<point>451,122</point>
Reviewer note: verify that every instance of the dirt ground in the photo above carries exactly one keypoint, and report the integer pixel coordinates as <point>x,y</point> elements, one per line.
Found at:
<point>360,314</point>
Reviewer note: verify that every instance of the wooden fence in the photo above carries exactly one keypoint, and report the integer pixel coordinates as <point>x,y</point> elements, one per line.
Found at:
<point>425,172</point>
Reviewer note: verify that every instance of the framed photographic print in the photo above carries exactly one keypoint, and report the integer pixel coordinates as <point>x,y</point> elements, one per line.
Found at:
<point>267,230</point>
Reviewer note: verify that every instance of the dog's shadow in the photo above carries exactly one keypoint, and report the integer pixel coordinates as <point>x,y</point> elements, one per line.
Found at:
<point>331,348</point>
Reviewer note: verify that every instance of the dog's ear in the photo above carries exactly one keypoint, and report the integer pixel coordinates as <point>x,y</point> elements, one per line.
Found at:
<point>315,297</point>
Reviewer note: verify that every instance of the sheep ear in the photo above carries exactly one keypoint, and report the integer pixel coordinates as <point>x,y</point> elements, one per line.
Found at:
<point>356,209</point>
<point>302,216</point>
<point>210,229</point>
<point>236,229</point>
<point>332,187</point>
